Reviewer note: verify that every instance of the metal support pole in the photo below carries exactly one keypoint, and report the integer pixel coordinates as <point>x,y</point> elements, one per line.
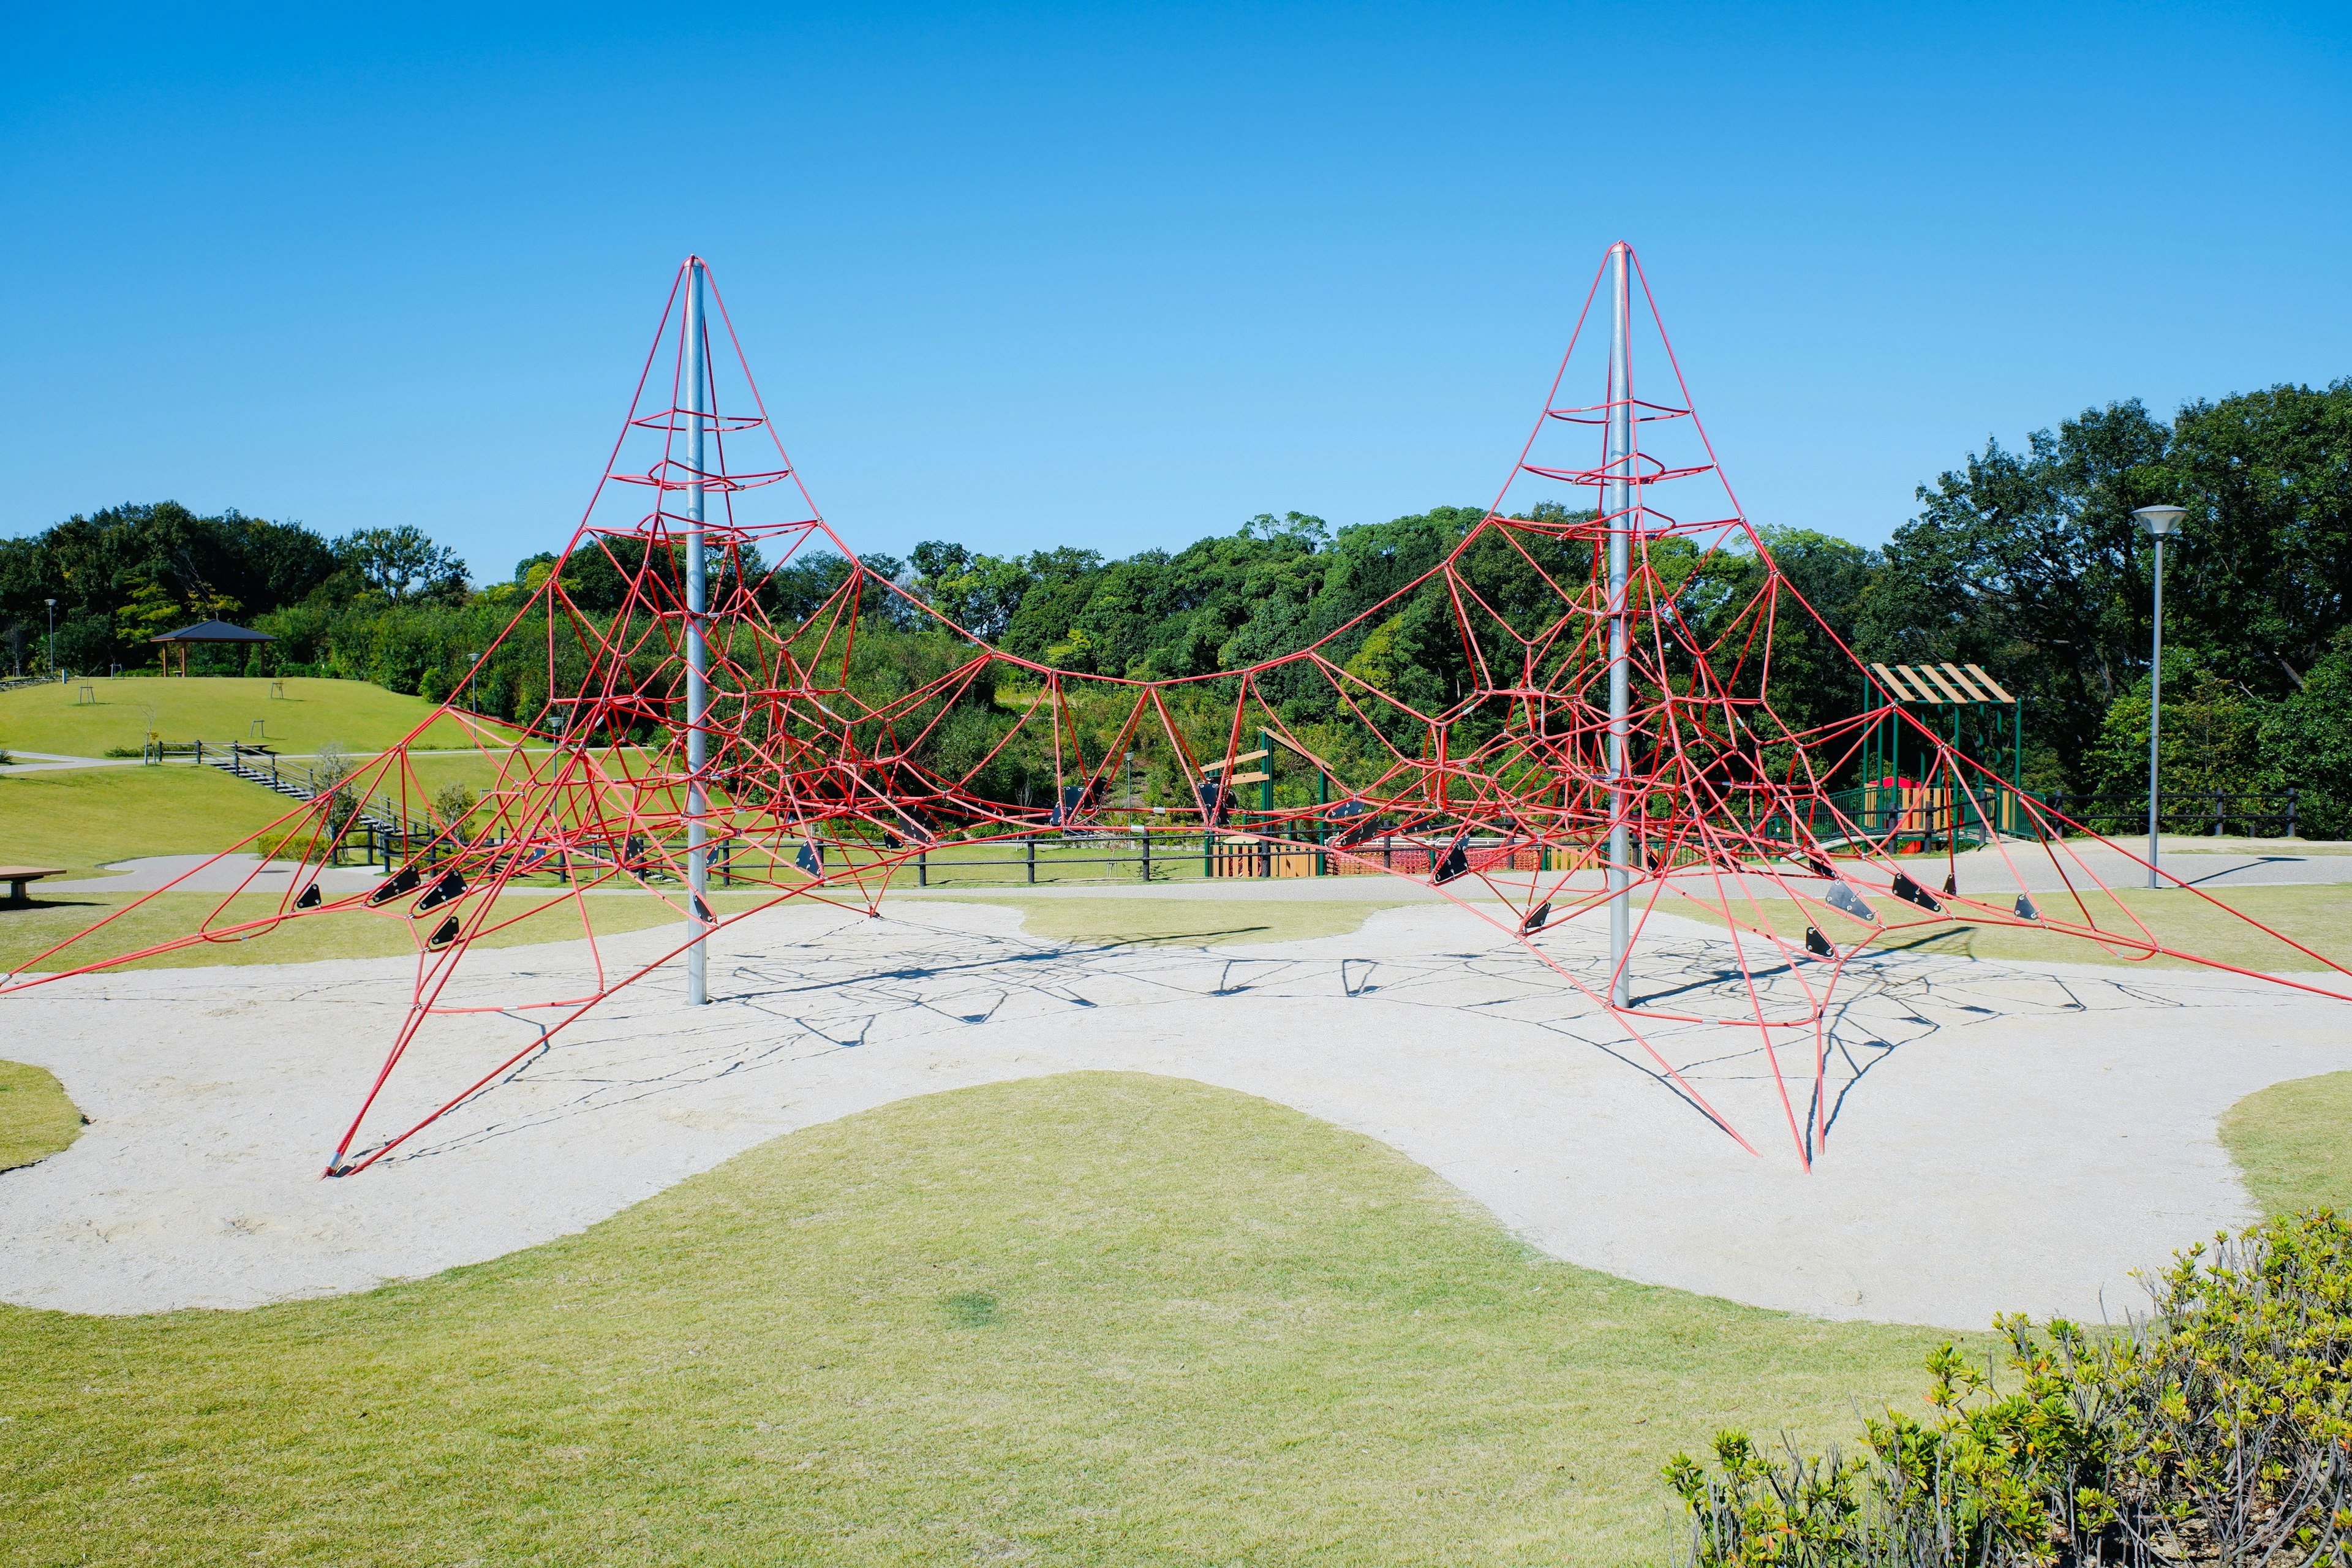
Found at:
<point>698,656</point>
<point>1616,505</point>
<point>2155,708</point>
<point>1322,827</point>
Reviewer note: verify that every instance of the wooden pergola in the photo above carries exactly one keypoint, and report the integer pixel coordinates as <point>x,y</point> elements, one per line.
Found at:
<point>204,631</point>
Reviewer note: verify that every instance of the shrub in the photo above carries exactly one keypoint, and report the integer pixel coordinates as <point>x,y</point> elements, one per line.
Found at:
<point>453,803</point>
<point>2217,1429</point>
<point>304,845</point>
<point>328,774</point>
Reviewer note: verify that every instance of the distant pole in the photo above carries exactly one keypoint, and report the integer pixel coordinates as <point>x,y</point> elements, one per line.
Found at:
<point>697,657</point>
<point>1616,503</point>
<point>52,603</point>
<point>2161,522</point>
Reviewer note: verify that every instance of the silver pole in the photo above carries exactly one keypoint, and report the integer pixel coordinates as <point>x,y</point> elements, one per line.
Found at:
<point>2154,703</point>
<point>697,657</point>
<point>1616,501</point>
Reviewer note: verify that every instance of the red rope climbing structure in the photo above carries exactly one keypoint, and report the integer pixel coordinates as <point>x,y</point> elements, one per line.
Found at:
<point>826,777</point>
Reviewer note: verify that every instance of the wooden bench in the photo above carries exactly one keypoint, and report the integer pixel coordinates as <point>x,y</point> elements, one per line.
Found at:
<point>16,877</point>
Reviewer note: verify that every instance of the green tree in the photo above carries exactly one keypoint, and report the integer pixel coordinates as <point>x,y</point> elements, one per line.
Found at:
<point>2210,742</point>
<point>2264,561</point>
<point>402,563</point>
<point>2307,745</point>
<point>2031,565</point>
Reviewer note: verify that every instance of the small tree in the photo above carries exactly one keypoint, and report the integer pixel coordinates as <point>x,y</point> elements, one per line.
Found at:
<point>330,778</point>
<point>453,803</point>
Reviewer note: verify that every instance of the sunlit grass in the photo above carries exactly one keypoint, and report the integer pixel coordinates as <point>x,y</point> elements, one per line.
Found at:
<point>1089,1318</point>
<point>2293,1143</point>
<point>306,938</point>
<point>2319,915</point>
<point>36,1119</point>
<point>217,709</point>
<point>81,819</point>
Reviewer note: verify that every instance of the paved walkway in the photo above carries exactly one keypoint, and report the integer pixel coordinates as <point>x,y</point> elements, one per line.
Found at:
<point>54,761</point>
<point>213,874</point>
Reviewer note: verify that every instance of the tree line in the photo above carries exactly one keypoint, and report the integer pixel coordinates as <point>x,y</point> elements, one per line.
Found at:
<point>2025,561</point>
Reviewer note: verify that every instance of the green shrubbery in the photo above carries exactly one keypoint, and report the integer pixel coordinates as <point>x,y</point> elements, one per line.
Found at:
<point>2218,1429</point>
<point>2219,737</point>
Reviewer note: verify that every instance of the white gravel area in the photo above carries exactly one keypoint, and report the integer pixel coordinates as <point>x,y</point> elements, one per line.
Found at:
<point>2004,1138</point>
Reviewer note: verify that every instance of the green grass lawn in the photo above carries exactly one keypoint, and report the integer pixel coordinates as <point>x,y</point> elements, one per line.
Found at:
<point>305,938</point>
<point>1088,1319</point>
<point>2319,915</point>
<point>2293,1143</point>
<point>353,714</point>
<point>36,1119</point>
<point>83,818</point>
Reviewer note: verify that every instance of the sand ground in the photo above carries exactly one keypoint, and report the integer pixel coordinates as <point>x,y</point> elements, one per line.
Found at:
<point>2000,1138</point>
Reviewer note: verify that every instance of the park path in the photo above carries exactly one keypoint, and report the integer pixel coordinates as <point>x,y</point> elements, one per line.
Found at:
<point>54,761</point>
<point>212,874</point>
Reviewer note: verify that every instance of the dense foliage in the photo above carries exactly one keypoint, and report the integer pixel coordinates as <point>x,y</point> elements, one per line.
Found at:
<point>2028,563</point>
<point>2218,1429</point>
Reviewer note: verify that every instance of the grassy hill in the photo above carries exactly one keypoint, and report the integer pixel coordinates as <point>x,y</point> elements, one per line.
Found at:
<point>83,818</point>
<point>353,714</point>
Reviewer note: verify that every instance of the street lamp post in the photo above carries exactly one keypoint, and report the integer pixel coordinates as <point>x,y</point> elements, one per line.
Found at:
<point>52,603</point>
<point>2161,522</point>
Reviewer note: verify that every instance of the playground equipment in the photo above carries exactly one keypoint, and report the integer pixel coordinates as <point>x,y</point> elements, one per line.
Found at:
<point>1913,794</point>
<point>1605,754</point>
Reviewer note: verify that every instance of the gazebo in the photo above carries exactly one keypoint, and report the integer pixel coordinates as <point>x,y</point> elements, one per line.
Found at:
<point>204,631</point>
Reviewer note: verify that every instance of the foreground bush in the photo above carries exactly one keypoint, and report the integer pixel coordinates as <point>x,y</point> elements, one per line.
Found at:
<point>2218,1429</point>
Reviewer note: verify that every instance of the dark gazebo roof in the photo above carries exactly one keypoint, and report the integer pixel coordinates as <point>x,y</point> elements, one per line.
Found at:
<point>213,631</point>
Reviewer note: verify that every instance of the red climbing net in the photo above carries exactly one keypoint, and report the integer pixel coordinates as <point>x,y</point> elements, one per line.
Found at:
<point>829,772</point>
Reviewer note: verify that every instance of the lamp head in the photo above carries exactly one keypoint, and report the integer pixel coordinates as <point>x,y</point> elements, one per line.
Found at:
<point>2161,522</point>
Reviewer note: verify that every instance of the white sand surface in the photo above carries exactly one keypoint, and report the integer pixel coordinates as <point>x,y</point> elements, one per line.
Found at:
<point>2002,1139</point>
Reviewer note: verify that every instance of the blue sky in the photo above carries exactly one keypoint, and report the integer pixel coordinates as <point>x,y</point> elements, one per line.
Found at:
<point>1021,277</point>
